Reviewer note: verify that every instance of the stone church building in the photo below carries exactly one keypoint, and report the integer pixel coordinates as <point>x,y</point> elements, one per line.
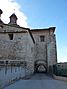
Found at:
<point>34,47</point>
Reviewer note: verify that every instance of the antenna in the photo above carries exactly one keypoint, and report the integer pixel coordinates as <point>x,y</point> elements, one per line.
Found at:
<point>14,10</point>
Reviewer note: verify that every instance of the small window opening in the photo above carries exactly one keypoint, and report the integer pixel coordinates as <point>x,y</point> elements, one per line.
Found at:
<point>11,36</point>
<point>42,38</point>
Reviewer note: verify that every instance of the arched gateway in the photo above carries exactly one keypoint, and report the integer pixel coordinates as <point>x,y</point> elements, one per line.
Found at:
<point>40,66</point>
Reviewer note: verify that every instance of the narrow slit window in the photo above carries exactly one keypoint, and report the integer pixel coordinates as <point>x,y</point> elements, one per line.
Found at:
<point>10,36</point>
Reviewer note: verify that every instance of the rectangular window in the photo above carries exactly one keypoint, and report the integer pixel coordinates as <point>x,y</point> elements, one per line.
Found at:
<point>10,36</point>
<point>42,38</point>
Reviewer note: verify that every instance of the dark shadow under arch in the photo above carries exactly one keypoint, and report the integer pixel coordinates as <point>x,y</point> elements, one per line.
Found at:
<point>42,70</point>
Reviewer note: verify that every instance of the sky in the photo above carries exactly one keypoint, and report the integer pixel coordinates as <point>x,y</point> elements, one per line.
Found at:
<point>41,14</point>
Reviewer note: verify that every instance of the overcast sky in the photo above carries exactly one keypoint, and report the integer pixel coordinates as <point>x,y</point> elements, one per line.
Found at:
<point>40,14</point>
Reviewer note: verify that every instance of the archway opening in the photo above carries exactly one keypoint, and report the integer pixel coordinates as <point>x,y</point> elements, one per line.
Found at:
<point>40,68</point>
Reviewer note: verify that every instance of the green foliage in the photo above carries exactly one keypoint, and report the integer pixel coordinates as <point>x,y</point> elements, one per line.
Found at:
<point>59,71</point>
<point>0,84</point>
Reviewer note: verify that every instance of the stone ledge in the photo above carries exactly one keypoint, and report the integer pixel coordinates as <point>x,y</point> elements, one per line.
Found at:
<point>60,78</point>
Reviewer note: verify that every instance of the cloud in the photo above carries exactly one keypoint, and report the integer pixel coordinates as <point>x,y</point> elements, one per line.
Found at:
<point>8,7</point>
<point>62,56</point>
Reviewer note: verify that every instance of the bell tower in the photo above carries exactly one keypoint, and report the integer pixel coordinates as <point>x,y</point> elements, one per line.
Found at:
<point>13,19</point>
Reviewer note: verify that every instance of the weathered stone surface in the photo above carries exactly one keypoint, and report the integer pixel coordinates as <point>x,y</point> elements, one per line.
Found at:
<point>22,47</point>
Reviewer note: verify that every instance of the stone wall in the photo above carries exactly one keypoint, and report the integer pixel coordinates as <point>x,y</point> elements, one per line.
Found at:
<point>45,50</point>
<point>51,53</point>
<point>40,47</point>
<point>21,47</point>
<point>13,49</point>
<point>51,56</point>
<point>40,51</point>
<point>29,54</point>
<point>6,50</point>
<point>37,35</point>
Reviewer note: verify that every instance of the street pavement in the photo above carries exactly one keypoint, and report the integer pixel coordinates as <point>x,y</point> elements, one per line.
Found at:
<point>39,81</point>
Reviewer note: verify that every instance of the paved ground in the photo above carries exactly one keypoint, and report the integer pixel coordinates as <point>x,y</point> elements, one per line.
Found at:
<point>39,81</point>
<point>41,76</point>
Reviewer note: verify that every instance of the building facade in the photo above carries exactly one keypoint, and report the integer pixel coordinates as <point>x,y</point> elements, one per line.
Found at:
<point>34,47</point>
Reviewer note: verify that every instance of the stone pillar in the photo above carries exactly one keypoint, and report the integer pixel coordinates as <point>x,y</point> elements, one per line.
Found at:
<point>29,68</point>
<point>51,55</point>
